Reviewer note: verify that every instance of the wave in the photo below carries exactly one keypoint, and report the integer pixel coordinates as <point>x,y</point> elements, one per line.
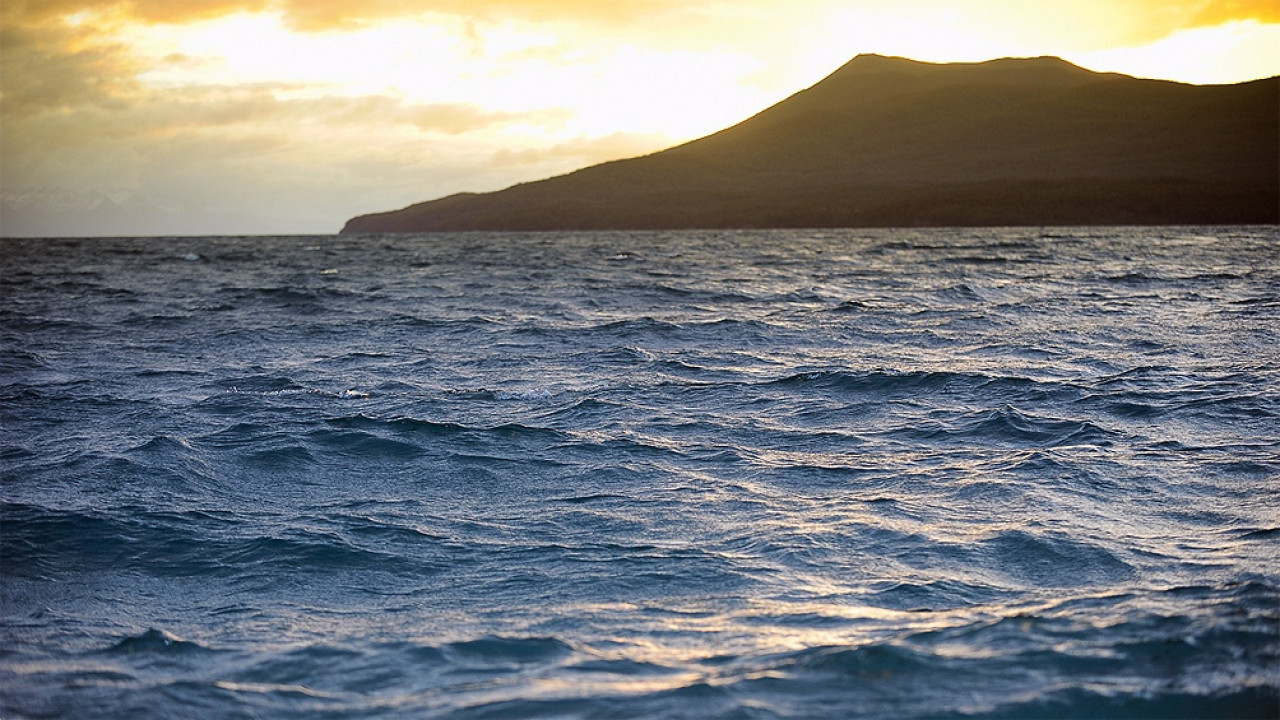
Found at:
<point>364,445</point>
<point>1046,560</point>
<point>1006,426</point>
<point>898,384</point>
<point>153,642</point>
<point>42,543</point>
<point>1251,702</point>
<point>499,653</point>
<point>291,298</point>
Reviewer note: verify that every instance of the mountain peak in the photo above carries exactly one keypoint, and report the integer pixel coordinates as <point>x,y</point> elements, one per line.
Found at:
<point>875,61</point>
<point>867,63</point>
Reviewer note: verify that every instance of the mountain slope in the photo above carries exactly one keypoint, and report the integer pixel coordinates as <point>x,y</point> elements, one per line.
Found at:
<point>893,142</point>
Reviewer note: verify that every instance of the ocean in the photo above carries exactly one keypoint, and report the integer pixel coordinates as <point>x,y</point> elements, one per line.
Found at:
<point>928,473</point>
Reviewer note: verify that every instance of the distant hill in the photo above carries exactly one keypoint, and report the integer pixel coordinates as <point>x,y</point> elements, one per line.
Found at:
<point>888,141</point>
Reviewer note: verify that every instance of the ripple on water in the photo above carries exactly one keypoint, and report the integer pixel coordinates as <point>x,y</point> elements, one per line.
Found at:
<point>937,473</point>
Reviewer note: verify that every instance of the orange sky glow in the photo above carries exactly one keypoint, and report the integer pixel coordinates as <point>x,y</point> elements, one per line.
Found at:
<point>154,117</point>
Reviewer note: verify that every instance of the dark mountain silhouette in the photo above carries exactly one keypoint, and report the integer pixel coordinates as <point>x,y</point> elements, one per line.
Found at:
<point>892,142</point>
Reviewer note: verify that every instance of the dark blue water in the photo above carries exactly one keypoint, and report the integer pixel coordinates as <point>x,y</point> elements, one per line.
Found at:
<point>940,473</point>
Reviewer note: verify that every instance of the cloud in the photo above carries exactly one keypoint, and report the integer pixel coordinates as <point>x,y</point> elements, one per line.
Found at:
<point>52,68</point>
<point>328,14</point>
<point>253,183</point>
<point>1215,54</point>
<point>1223,11</point>
<point>1153,18</point>
<point>317,15</point>
<point>36,12</point>
<point>40,146</point>
<point>584,150</point>
<point>1145,21</point>
<point>93,144</point>
<point>206,159</point>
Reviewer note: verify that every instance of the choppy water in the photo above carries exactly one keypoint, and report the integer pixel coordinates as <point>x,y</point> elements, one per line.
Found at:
<point>936,473</point>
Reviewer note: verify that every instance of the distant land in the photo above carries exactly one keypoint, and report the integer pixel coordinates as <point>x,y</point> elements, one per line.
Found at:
<point>891,142</point>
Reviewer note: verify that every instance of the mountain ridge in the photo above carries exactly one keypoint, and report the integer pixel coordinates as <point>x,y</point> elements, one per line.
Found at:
<point>889,141</point>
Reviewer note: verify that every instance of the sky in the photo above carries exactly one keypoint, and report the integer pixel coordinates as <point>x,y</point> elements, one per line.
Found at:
<point>239,117</point>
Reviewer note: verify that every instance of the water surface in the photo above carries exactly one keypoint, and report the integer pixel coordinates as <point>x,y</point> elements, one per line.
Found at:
<point>785,474</point>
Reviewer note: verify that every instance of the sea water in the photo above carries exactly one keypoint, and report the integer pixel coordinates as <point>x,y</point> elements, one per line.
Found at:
<point>757,474</point>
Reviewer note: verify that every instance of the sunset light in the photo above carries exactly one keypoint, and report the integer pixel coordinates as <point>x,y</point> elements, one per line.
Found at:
<point>332,103</point>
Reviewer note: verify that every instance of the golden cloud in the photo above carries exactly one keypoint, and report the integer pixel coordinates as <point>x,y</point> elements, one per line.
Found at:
<point>1216,13</point>
<point>32,12</point>
<point>55,53</point>
<point>336,14</point>
<point>57,67</point>
<point>1162,16</point>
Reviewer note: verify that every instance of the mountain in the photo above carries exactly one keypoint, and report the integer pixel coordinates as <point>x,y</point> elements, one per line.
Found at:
<point>887,141</point>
